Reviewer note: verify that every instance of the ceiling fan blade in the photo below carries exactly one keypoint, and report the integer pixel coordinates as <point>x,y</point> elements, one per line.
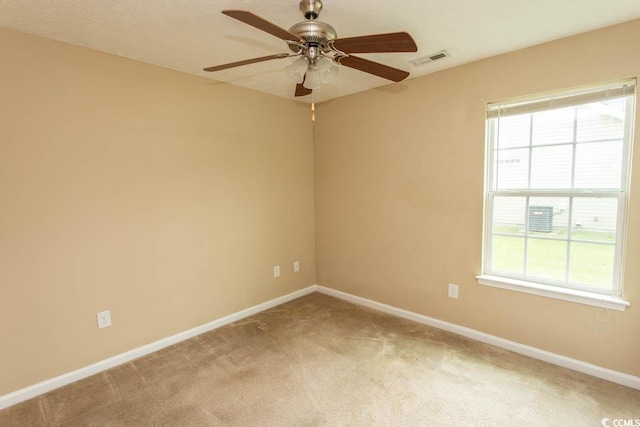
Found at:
<point>261,24</point>
<point>375,43</point>
<point>247,61</point>
<point>375,68</point>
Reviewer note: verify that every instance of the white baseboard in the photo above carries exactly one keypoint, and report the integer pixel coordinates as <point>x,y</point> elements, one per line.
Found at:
<point>64,379</point>
<point>556,359</point>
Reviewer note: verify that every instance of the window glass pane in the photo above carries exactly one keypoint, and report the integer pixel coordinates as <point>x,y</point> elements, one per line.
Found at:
<point>514,131</point>
<point>601,120</point>
<point>551,167</point>
<point>548,216</point>
<point>592,264</point>
<point>512,169</point>
<point>547,259</point>
<point>598,165</point>
<point>508,254</point>
<point>553,126</point>
<point>594,219</point>
<point>508,215</point>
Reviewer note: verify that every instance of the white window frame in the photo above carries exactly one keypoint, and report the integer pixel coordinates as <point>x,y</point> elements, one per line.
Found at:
<point>611,299</point>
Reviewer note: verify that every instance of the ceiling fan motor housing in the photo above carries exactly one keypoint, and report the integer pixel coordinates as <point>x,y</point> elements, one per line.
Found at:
<point>314,33</point>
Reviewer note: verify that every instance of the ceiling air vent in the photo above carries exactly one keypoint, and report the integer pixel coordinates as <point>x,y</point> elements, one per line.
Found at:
<point>430,58</point>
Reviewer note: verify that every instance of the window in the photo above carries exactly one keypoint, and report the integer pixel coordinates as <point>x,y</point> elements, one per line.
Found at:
<point>556,193</point>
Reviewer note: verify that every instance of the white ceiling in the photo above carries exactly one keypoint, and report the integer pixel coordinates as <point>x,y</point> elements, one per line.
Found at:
<point>190,35</point>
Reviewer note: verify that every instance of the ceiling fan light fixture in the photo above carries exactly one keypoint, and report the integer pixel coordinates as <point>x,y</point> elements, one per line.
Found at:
<point>313,79</point>
<point>328,70</point>
<point>295,71</point>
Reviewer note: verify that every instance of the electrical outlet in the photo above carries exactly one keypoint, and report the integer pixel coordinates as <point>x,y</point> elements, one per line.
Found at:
<point>104,319</point>
<point>296,266</point>
<point>453,291</point>
<point>276,271</point>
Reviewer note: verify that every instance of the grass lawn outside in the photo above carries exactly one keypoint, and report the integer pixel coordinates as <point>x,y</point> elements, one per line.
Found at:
<point>591,259</point>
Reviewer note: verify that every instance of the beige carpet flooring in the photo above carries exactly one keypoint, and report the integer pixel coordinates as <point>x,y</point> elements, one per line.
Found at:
<point>319,361</point>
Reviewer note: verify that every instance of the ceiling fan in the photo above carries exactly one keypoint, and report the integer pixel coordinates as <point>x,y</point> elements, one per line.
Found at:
<point>320,50</point>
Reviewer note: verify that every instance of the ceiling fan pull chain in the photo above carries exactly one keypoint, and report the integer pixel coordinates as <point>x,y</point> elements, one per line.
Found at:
<point>313,110</point>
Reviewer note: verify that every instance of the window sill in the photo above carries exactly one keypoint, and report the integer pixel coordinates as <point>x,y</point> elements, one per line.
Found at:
<point>580,297</point>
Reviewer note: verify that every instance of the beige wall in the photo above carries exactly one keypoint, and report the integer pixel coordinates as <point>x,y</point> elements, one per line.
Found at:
<point>155,194</point>
<point>399,183</point>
